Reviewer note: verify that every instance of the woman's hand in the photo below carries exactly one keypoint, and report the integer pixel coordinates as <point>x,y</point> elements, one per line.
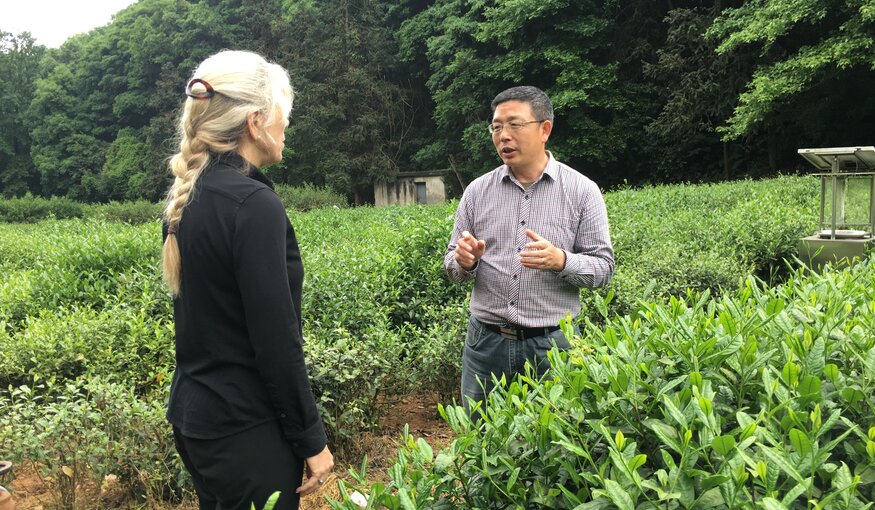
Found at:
<point>319,467</point>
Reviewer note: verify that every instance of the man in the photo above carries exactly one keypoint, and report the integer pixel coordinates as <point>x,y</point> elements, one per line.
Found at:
<point>530,233</point>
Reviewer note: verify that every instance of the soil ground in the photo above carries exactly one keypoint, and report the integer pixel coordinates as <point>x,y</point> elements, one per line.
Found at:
<point>418,411</point>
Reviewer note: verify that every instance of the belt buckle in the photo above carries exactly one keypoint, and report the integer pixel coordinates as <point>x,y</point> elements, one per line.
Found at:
<point>511,333</point>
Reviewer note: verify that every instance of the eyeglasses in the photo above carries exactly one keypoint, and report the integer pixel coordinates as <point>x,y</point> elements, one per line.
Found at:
<point>496,127</point>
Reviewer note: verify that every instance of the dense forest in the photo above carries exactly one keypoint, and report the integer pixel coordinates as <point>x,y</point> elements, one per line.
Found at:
<point>645,91</point>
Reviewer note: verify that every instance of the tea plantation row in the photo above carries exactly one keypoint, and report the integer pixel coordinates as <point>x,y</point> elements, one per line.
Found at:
<point>757,398</point>
<point>88,337</point>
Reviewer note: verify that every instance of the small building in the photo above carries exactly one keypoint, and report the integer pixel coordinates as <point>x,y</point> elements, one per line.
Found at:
<point>412,188</point>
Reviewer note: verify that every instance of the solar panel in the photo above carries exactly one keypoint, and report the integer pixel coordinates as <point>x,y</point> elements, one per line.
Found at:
<point>849,158</point>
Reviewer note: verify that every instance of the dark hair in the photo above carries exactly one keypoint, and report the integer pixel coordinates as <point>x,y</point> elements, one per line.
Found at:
<point>542,108</point>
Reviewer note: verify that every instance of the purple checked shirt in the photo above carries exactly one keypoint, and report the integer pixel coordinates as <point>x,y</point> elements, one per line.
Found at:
<point>565,208</point>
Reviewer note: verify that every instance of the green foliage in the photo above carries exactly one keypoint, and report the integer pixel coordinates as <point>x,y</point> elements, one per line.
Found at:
<point>707,237</point>
<point>475,50</point>
<point>828,38</point>
<point>308,196</point>
<point>29,209</point>
<point>81,299</point>
<point>19,61</point>
<point>82,431</point>
<point>353,113</point>
<point>122,170</point>
<point>133,212</point>
<point>698,402</point>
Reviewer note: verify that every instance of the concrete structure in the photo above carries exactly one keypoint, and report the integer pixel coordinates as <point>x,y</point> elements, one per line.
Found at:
<point>412,188</point>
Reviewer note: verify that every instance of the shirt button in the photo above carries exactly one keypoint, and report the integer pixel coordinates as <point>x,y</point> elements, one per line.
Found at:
<point>523,222</point>
<point>512,303</point>
<point>282,415</point>
<point>519,249</point>
<point>527,197</point>
<point>514,277</point>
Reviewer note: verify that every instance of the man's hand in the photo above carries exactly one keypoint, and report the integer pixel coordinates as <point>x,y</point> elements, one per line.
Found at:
<point>319,467</point>
<point>469,249</point>
<point>541,254</point>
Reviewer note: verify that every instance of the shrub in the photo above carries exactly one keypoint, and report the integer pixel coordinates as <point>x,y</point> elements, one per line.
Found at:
<point>121,343</point>
<point>756,396</point>
<point>30,209</point>
<point>308,196</point>
<point>133,213</point>
<point>83,431</point>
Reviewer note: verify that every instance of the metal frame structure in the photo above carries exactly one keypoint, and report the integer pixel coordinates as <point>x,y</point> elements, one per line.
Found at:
<point>842,163</point>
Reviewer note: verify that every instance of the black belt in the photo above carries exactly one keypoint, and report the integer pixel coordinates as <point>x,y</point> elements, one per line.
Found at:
<point>514,332</point>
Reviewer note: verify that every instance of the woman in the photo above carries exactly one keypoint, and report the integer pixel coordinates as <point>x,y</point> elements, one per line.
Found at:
<point>243,415</point>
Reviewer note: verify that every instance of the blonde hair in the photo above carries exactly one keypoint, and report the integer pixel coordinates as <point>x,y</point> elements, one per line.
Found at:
<point>224,90</point>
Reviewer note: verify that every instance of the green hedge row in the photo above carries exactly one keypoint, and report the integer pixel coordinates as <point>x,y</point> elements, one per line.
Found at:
<point>31,209</point>
<point>81,298</point>
<point>759,398</point>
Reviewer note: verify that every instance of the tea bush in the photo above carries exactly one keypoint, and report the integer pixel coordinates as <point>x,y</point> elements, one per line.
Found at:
<point>82,299</point>
<point>756,398</point>
<point>80,432</point>
<point>122,343</point>
<point>30,209</point>
<point>309,197</point>
<point>134,212</point>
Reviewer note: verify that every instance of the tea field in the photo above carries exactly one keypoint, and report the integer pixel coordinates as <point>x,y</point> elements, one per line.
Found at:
<point>710,373</point>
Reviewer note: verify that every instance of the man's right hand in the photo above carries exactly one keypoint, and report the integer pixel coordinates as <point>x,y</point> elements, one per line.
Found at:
<point>469,249</point>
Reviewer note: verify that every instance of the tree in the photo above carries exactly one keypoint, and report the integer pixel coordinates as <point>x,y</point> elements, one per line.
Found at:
<point>700,91</point>
<point>351,117</point>
<point>19,61</point>
<point>122,79</point>
<point>476,49</point>
<point>810,53</point>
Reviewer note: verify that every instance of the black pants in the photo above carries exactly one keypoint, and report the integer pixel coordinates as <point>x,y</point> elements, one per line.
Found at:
<point>233,472</point>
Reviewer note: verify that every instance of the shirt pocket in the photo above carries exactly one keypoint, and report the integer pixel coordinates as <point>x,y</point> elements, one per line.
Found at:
<point>560,231</point>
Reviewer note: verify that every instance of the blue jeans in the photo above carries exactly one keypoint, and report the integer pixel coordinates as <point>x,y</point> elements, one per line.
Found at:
<point>487,353</point>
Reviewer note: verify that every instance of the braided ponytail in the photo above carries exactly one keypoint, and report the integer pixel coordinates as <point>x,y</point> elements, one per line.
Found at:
<point>227,87</point>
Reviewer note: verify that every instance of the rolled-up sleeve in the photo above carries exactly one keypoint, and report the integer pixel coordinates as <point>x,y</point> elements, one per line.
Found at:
<point>262,276</point>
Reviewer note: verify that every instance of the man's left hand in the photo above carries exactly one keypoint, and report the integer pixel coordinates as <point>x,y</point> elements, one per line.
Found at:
<point>541,254</point>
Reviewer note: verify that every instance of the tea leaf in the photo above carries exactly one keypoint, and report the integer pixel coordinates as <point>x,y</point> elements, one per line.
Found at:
<point>762,470</point>
<point>619,495</point>
<point>869,363</point>
<point>790,374</point>
<point>426,450</point>
<point>406,502</point>
<point>512,480</point>
<point>696,379</point>
<point>723,444</point>
<point>782,463</point>
<point>800,441</point>
<point>809,388</point>
<point>637,461</point>
<point>831,371</point>
<point>773,504</point>
<point>794,493</point>
<point>674,412</point>
<point>714,481</point>
<point>666,434</point>
<point>852,395</point>
<point>706,406</point>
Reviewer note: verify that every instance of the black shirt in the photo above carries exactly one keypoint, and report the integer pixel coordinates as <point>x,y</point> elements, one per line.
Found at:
<point>239,355</point>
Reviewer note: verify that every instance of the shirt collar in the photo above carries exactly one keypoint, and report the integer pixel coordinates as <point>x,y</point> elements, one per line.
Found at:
<point>237,161</point>
<point>551,170</point>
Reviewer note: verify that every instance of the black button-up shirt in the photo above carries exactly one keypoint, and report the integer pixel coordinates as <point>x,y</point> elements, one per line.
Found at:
<point>239,355</point>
